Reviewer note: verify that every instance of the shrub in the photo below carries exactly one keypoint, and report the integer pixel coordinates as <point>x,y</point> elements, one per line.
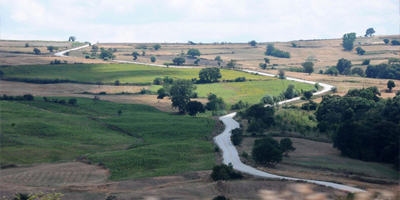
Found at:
<point>224,172</point>
<point>366,62</point>
<point>153,59</point>
<point>72,101</point>
<point>240,79</point>
<point>102,93</point>
<point>395,42</point>
<point>239,105</point>
<point>220,197</point>
<point>386,41</point>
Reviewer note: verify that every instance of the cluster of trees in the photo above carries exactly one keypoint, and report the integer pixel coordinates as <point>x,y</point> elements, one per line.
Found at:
<point>107,54</point>
<point>237,136</point>
<point>363,125</point>
<point>52,48</point>
<point>342,67</point>
<point>272,51</point>
<point>258,117</point>
<point>57,62</point>
<point>224,172</point>
<point>162,81</point>
<point>289,93</point>
<point>215,104</point>
<point>308,67</point>
<point>268,150</point>
<point>25,97</point>
<point>239,105</point>
<point>264,65</point>
<point>395,42</point>
<point>348,41</point>
<point>218,59</point>
<point>208,75</point>
<point>178,60</point>
<point>383,70</point>
<point>71,101</point>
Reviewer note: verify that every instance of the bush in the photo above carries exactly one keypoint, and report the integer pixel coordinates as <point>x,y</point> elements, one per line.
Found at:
<point>224,172</point>
<point>239,105</point>
<point>220,197</point>
<point>395,42</point>
<point>72,101</point>
<point>237,136</point>
<point>310,105</point>
<point>102,93</point>
<point>386,41</point>
<point>366,62</point>
<point>240,79</point>
<point>105,58</point>
<point>153,59</point>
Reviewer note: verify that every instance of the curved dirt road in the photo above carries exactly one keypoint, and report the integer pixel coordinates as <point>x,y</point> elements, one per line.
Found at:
<point>230,154</point>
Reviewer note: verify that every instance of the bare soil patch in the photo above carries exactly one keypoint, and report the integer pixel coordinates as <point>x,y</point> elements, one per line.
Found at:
<point>82,181</point>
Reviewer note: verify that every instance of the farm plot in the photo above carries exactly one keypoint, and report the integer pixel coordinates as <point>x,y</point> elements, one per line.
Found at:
<point>249,91</point>
<point>142,142</point>
<point>109,73</point>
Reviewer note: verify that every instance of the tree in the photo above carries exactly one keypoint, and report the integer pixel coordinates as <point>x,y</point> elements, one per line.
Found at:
<point>386,41</point>
<point>369,32</point>
<point>193,52</point>
<point>263,65</point>
<point>308,67</point>
<point>178,60</point>
<point>218,58</point>
<point>237,136</point>
<point>332,71</point>
<point>119,112</point>
<point>50,48</point>
<point>1,73</point>
<point>26,44</point>
<point>181,90</point>
<point>366,62</point>
<point>231,64</point>
<point>357,70</point>
<point>208,75</point>
<point>360,51</point>
<point>143,52</point>
<point>395,42</point>
<point>161,93</point>
<point>72,101</point>
<point>194,107</point>
<point>342,65</point>
<point>308,94</point>
<point>281,74</point>
<point>348,41</point>
<point>268,99</point>
<point>266,60</point>
<point>270,48</point>
<point>135,54</point>
<point>266,150</point>
<point>36,51</point>
<point>253,43</point>
<point>286,145</point>
<point>294,44</point>
<point>390,85</point>
<point>72,38</point>
<point>153,59</point>
<point>157,46</point>
<point>215,103</point>
<point>117,82</point>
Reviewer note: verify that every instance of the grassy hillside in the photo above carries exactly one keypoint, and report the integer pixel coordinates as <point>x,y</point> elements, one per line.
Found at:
<point>250,91</point>
<point>141,142</point>
<point>109,73</point>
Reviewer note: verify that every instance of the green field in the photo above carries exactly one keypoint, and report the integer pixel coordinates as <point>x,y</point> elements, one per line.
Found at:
<point>250,91</point>
<point>142,142</point>
<point>109,73</point>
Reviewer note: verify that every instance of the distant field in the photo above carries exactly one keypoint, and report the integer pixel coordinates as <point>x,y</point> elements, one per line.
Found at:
<point>142,142</point>
<point>249,91</point>
<point>109,73</point>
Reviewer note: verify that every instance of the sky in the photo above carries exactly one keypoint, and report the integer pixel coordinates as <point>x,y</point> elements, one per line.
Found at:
<point>204,21</point>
